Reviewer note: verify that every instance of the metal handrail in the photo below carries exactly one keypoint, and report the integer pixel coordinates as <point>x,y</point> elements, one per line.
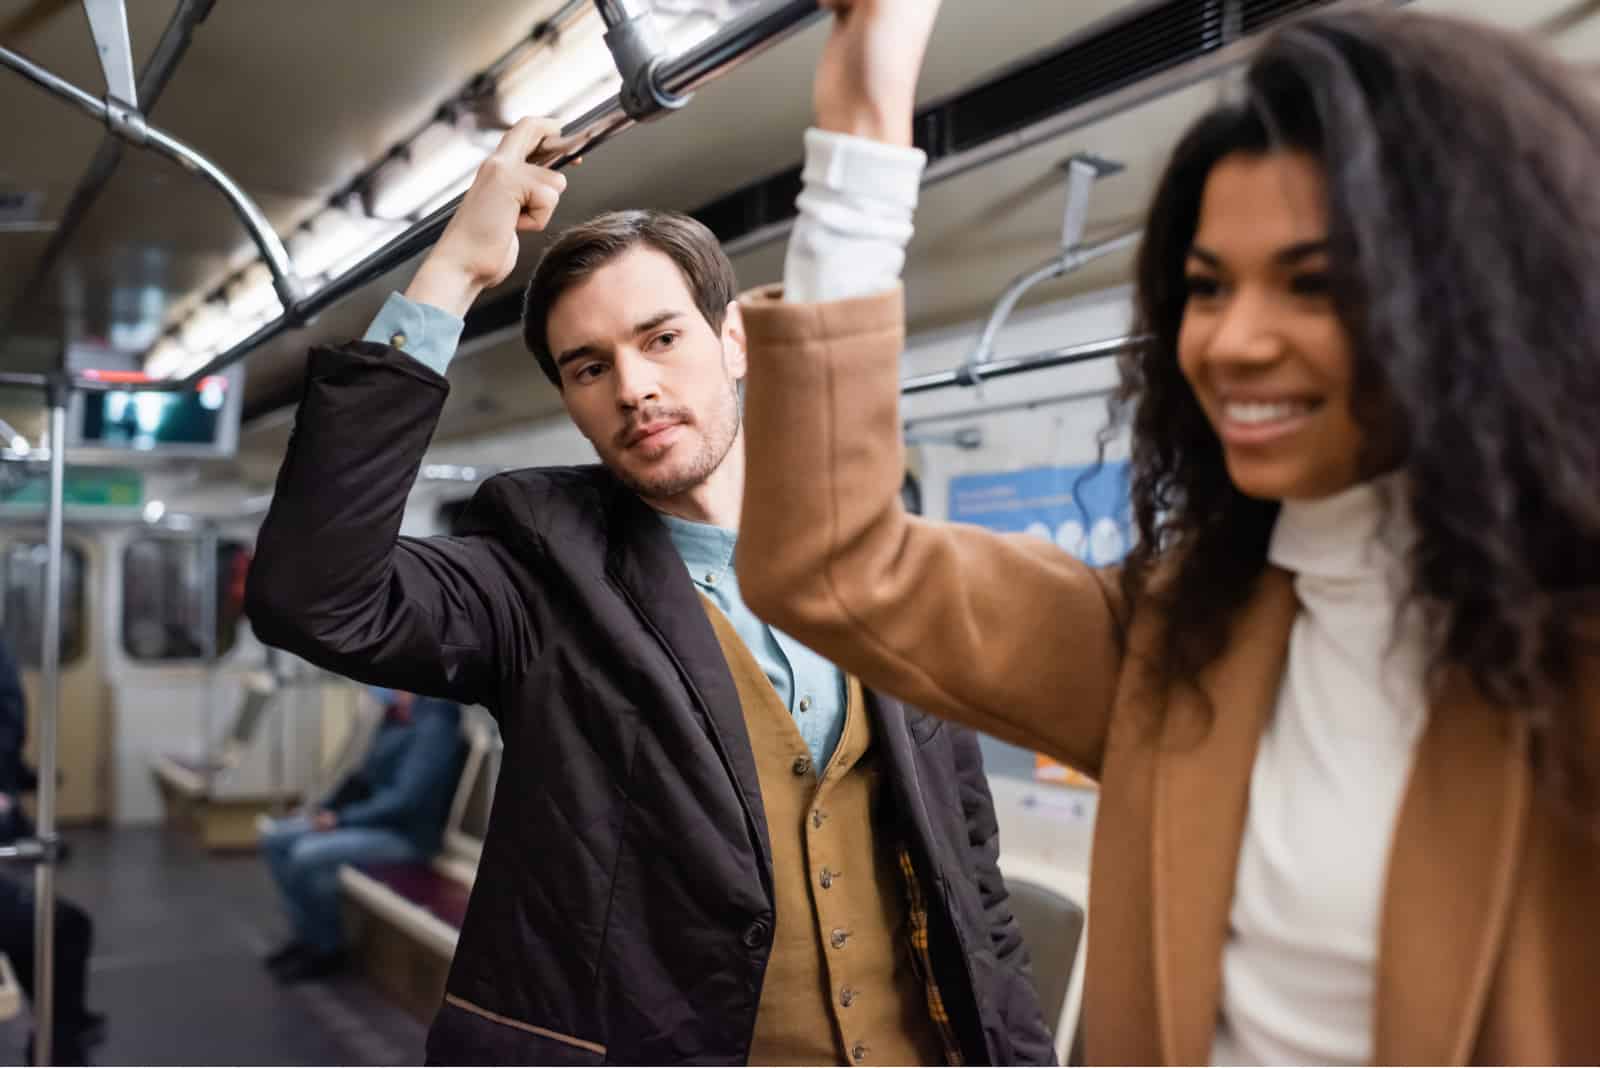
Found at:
<point>130,125</point>
<point>1016,365</point>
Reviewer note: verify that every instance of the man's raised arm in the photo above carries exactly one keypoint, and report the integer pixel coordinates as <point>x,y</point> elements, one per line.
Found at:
<point>332,580</point>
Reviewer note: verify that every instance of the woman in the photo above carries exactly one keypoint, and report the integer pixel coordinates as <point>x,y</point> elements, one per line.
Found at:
<point>1342,697</point>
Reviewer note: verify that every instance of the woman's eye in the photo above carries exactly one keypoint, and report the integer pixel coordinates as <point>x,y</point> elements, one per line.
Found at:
<point>1201,286</point>
<point>1311,284</point>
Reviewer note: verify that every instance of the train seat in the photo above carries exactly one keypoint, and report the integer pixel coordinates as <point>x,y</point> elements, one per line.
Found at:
<point>1046,904</point>
<point>10,990</point>
<point>403,919</point>
<point>194,790</point>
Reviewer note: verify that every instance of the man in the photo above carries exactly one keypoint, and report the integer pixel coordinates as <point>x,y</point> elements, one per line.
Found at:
<point>75,1029</point>
<point>708,845</point>
<point>392,810</point>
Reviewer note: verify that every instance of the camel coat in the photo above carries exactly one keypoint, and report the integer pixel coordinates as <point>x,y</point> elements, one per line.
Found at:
<point>1489,942</point>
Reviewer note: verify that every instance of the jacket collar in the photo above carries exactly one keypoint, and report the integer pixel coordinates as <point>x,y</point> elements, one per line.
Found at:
<point>1443,922</point>
<point>645,567</point>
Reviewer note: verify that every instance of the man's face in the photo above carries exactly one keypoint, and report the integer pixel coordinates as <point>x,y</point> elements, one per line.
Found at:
<point>646,379</point>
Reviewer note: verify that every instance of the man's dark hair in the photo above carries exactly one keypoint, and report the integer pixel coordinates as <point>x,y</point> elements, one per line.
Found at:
<point>584,249</point>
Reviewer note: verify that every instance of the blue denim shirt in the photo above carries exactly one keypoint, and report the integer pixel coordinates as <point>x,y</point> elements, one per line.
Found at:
<point>810,687</point>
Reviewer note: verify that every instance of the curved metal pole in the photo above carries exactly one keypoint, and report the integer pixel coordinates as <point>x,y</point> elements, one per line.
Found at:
<point>1016,365</point>
<point>1064,264</point>
<point>153,81</point>
<point>44,928</point>
<point>129,125</point>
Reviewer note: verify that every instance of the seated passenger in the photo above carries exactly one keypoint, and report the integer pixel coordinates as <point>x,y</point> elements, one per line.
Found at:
<point>393,809</point>
<point>710,844</point>
<point>75,1029</point>
<point>1343,699</point>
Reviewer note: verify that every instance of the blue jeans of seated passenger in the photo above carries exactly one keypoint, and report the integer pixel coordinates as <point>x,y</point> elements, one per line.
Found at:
<point>305,864</point>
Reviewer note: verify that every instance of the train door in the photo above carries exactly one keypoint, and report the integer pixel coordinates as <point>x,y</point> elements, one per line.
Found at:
<point>176,599</point>
<point>83,737</point>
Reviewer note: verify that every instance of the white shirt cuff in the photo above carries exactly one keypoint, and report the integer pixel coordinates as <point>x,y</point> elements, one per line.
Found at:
<point>855,217</point>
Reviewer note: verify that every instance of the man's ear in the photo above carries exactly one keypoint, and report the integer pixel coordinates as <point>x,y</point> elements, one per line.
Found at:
<point>735,355</point>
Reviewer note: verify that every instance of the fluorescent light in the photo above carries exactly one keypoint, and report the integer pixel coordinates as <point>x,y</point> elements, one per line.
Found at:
<point>153,511</point>
<point>337,237</point>
<point>205,329</point>
<point>574,68</point>
<point>686,29</point>
<point>164,359</point>
<point>440,157</point>
<point>251,298</point>
<point>19,445</point>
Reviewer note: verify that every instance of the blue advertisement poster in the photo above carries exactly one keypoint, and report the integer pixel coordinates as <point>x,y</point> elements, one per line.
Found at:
<point>1082,509</point>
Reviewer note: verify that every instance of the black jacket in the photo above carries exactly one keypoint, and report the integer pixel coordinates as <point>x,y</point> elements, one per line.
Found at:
<point>623,909</point>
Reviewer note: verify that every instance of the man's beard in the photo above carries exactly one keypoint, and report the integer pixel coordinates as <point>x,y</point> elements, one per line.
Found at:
<point>715,443</point>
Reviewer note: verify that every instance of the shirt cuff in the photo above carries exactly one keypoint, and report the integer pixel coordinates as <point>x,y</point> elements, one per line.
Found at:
<point>425,333</point>
<point>855,212</point>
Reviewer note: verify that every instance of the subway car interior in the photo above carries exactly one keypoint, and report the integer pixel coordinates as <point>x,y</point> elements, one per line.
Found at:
<point>194,194</point>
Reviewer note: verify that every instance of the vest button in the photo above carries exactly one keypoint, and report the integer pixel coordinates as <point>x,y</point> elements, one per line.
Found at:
<point>802,765</point>
<point>860,1052</point>
<point>755,936</point>
<point>827,877</point>
<point>817,817</point>
<point>847,997</point>
<point>840,937</point>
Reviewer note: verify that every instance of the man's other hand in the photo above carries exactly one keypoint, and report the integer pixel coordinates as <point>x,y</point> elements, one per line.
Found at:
<point>512,193</point>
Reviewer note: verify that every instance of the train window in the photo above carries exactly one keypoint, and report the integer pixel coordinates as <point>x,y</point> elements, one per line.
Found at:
<point>22,608</point>
<point>164,586</point>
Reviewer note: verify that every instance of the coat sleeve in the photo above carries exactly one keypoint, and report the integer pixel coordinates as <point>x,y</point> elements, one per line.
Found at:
<point>429,768</point>
<point>1005,633</point>
<point>1016,999</point>
<point>13,725</point>
<point>332,580</point>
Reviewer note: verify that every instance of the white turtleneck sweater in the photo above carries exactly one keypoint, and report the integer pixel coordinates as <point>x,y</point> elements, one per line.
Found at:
<point>1299,968</point>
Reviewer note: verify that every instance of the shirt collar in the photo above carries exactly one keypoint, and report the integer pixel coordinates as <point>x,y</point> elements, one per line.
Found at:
<point>1364,532</point>
<point>706,550</point>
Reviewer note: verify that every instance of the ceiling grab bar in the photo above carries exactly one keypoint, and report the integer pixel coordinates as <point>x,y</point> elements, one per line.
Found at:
<point>724,51</point>
<point>127,122</point>
<point>1083,170</point>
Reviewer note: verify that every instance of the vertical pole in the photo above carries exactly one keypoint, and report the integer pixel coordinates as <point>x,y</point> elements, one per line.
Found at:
<point>44,928</point>
<point>280,737</point>
<point>206,546</point>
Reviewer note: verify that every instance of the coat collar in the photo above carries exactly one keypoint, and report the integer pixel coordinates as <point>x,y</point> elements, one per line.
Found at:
<point>1451,870</point>
<point>1206,754</point>
<point>643,564</point>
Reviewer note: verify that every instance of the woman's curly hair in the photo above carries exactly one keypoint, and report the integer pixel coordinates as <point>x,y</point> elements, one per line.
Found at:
<point>1463,185</point>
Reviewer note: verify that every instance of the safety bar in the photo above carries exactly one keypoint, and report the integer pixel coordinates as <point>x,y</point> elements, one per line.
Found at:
<point>1016,365</point>
<point>153,80</point>
<point>718,54</point>
<point>126,122</point>
<point>973,371</point>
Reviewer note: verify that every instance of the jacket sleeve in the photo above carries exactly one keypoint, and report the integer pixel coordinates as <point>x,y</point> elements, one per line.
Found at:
<point>1017,1001</point>
<point>428,768</point>
<point>1005,633</point>
<point>333,582</point>
<point>13,725</point>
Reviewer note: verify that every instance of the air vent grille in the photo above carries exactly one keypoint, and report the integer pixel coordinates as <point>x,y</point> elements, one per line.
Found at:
<point>1101,63</point>
<point>1259,14</point>
<point>1081,69</point>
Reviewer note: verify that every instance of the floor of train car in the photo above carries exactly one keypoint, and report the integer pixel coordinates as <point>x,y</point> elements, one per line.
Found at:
<point>179,936</point>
